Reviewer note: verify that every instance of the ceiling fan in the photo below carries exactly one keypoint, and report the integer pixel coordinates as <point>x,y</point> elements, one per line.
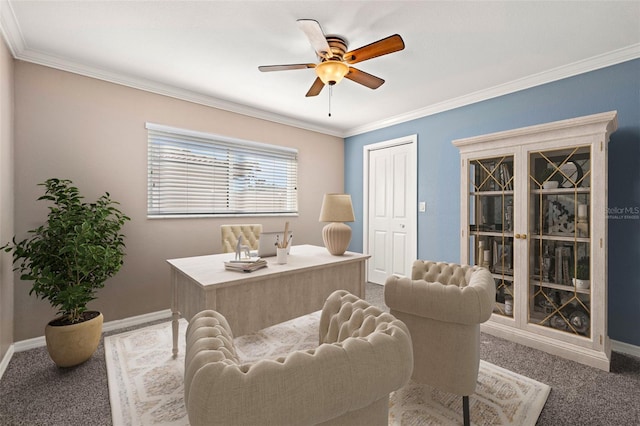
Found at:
<point>335,60</point>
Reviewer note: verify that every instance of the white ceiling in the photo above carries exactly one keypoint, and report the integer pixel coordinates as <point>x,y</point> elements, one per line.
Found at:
<point>209,51</point>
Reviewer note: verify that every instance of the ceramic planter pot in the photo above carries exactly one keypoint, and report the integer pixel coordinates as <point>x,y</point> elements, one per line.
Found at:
<point>70,345</point>
<point>581,284</point>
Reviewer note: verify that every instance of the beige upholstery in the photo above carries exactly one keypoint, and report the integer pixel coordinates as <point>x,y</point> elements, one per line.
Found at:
<point>363,355</point>
<point>443,305</point>
<point>250,236</point>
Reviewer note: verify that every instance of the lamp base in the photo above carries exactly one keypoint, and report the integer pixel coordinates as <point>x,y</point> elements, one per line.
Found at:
<point>336,237</point>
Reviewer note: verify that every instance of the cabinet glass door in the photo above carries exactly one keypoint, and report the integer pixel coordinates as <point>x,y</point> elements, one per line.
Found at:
<point>491,216</point>
<point>559,243</point>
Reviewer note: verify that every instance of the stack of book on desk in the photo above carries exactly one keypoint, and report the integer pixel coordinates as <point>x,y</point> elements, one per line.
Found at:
<point>245,265</point>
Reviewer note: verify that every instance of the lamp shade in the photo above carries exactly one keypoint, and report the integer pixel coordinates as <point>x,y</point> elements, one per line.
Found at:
<point>336,208</point>
<point>331,72</point>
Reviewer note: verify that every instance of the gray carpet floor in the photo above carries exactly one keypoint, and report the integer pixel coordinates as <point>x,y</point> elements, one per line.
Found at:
<point>33,391</point>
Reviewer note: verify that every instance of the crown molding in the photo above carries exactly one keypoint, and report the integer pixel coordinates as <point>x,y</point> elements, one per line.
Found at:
<point>591,64</point>
<point>10,30</point>
<point>148,85</point>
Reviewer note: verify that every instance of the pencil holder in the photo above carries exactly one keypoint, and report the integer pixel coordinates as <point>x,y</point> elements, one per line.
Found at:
<point>281,255</point>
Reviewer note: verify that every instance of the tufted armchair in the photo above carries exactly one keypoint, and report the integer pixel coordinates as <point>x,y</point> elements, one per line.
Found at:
<point>230,233</point>
<point>363,355</point>
<point>443,305</point>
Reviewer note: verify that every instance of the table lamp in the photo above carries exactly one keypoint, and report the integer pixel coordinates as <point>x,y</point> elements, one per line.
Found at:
<point>336,208</point>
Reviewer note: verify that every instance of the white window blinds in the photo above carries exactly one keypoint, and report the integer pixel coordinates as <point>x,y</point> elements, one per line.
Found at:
<point>193,173</point>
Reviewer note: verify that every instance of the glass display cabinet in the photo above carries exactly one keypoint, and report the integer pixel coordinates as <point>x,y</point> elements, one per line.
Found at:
<point>533,206</point>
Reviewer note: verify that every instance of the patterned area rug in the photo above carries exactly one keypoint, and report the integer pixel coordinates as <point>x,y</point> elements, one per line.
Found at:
<point>146,383</point>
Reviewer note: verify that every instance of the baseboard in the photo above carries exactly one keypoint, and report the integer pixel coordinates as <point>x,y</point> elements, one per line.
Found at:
<point>600,358</point>
<point>5,360</point>
<point>625,348</point>
<point>137,320</point>
<point>37,342</point>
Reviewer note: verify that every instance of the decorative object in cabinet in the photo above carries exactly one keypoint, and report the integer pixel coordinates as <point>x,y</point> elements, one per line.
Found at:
<point>530,214</point>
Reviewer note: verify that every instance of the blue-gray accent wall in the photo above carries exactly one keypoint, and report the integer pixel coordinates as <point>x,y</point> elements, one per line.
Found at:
<point>613,88</point>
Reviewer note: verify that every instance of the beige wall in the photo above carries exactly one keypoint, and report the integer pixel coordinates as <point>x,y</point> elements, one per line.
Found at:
<point>93,133</point>
<point>6,197</point>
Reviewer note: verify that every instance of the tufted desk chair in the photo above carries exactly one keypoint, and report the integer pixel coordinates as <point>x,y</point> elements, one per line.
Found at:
<point>363,354</point>
<point>230,233</point>
<point>443,305</point>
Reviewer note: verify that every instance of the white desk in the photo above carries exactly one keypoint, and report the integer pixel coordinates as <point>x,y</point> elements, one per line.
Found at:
<point>255,300</point>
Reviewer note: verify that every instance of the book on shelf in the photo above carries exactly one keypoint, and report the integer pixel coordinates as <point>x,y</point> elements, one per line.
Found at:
<point>558,264</point>
<point>246,265</point>
<point>505,177</point>
<point>502,258</point>
<point>488,176</point>
<point>562,262</point>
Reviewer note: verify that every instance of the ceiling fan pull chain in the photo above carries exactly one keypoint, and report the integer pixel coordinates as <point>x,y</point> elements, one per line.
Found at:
<point>330,93</point>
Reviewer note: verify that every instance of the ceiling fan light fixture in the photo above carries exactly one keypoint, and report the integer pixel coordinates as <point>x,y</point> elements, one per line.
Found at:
<point>331,72</point>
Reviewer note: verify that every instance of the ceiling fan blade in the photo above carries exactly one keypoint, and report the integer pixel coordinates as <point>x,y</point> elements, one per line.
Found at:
<point>316,37</point>
<point>316,88</point>
<point>385,46</point>
<point>371,81</point>
<point>266,68</point>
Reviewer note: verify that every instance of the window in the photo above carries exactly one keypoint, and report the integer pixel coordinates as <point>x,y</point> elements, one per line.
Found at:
<point>192,173</point>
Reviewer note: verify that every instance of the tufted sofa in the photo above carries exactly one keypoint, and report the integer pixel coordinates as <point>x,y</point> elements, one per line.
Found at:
<point>363,355</point>
<point>443,305</point>
<point>230,233</point>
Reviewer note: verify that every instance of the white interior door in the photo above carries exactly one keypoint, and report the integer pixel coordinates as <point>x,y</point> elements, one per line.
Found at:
<point>391,233</point>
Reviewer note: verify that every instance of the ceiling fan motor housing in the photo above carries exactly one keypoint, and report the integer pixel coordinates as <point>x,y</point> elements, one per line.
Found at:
<point>338,47</point>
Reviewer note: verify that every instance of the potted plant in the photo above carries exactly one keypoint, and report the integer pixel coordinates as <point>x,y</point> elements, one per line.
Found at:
<point>581,274</point>
<point>67,260</point>
<point>550,178</point>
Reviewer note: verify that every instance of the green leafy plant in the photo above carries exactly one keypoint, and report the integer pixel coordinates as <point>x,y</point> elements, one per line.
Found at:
<point>582,269</point>
<point>550,174</point>
<point>72,255</point>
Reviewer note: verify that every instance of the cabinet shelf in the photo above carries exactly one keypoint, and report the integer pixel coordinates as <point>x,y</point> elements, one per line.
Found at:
<point>498,234</point>
<point>504,277</point>
<point>505,193</point>
<point>561,191</point>
<point>556,237</point>
<point>534,281</point>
